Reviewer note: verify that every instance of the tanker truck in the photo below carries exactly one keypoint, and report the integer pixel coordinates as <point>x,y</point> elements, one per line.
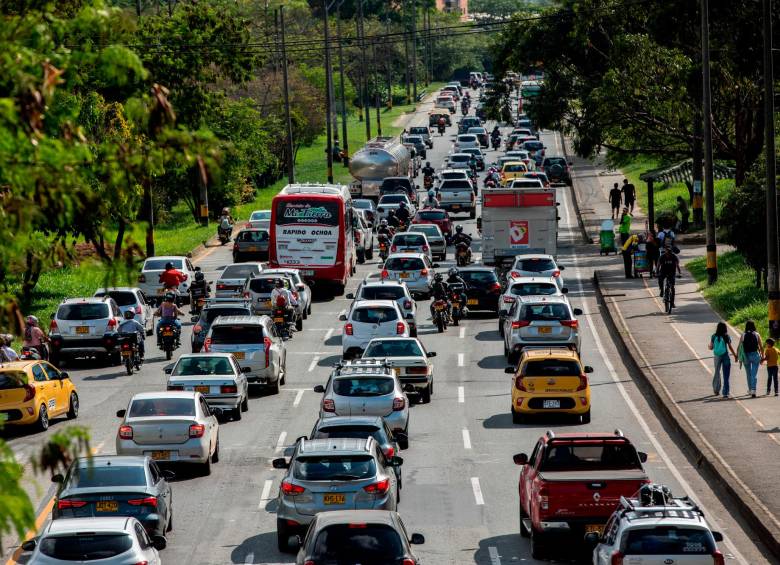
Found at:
<point>378,159</point>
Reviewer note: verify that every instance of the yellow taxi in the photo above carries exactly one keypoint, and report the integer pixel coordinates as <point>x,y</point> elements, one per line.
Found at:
<point>34,392</point>
<point>512,170</point>
<point>550,380</point>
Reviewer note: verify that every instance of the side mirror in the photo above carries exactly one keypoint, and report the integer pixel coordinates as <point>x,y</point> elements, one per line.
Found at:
<point>320,389</point>
<point>280,463</point>
<point>351,296</point>
<point>520,459</point>
<point>431,354</point>
<point>417,539</point>
<point>168,369</point>
<point>380,266</point>
<point>564,290</point>
<point>401,436</point>
<point>510,370</point>
<point>300,286</point>
<point>718,536</point>
<point>246,369</point>
<point>51,316</point>
<point>121,413</point>
<point>197,268</point>
<point>410,316</point>
<point>58,478</point>
<point>343,318</point>
<point>592,539</point>
<point>294,543</point>
<point>588,369</point>
<point>299,438</point>
<point>561,268</point>
<point>397,461</point>
<point>436,265</point>
<point>168,475</point>
<point>64,375</point>
<point>159,542</point>
<point>642,456</point>
<point>577,312</point>
<point>30,544</point>
<point>409,387</point>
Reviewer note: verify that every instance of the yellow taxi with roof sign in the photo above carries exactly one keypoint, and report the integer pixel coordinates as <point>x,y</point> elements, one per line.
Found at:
<point>34,392</point>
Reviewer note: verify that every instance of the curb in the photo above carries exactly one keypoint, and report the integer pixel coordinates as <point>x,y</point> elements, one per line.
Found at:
<point>759,518</point>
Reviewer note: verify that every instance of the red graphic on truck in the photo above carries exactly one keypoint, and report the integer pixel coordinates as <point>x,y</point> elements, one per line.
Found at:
<point>518,234</point>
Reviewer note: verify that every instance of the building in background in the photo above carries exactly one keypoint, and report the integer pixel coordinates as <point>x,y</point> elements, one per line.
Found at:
<point>454,6</point>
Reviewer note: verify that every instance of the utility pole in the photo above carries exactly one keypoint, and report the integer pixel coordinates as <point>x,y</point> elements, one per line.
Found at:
<point>360,77</point>
<point>427,50</point>
<point>344,140</point>
<point>406,66</point>
<point>363,71</point>
<point>333,104</point>
<point>388,66</point>
<point>414,48</point>
<point>698,197</point>
<point>773,276</point>
<point>329,125</point>
<point>709,182</point>
<point>376,92</point>
<point>288,118</point>
<point>138,8</point>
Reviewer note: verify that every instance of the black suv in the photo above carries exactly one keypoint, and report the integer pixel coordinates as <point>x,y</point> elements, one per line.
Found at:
<point>557,170</point>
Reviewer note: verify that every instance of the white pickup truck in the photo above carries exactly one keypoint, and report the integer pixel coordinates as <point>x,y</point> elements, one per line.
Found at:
<point>457,195</point>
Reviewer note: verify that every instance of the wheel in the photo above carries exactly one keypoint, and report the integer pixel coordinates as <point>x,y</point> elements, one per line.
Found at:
<point>207,467</point>
<point>115,359</point>
<point>425,395</point>
<point>299,324</point>
<point>305,314</point>
<point>282,533</point>
<point>237,413</point>
<point>370,251</point>
<point>283,372</point>
<point>517,417</point>
<point>73,407</point>
<point>43,419</point>
<point>524,532</point>
<point>339,289</point>
<point>500,329</point>
<point>168,354</point>
<point>169,528</point>
<point>473,213</point>
<point>276,386</point>
<point>404,443</point>
<point>308,310</point>
<point>413,331</point>
<point>215,455</point>
<point>455,320</point>
<point>585,418</point>
<point>361,256</point>
<point>538,549</point>
<point>129,365</point>
<point>245,404</point>
<point>440,324</point>
<point>506,351</point>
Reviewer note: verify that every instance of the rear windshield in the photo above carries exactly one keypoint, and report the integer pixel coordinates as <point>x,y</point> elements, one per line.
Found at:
<point>419,130</point>
<point>477,130</point>
<point>374,315</point>
<point>363,386</point>
<point>545,312</point>
<point>334,467</point>
<point>261,215</point>
<point>429,229</point>
<point>669,540</point>
<point>474,151</point>
<point>551,368</point>
<point>467,138</point>
<point>247,334</point>
<point>527,183</point>
<point>533,289</point>
<point>254,236</point>
<point>122,298</point>
<point>202,366</point>
<point>394,348</point>
<point>362,204</point>
<point>382,293</point>
<point>159,264</point>
<point>82,312</point>
<point>409,239</point>
<point>554,161</point>
<point>456,185</point>
<point>108,476</point>
<point>212,313</point>
<point>533,145</point>
<point>85,547</point>
<point>393,199</point>
<point>404,264</point>
<point>12,379</point>
<point>358,543</point>
<point>536,265</point>
<point>479,278</point>
<point>541,176</point>
<point>238,271</point>
<point>453,175</point>
<point>262,286</point>
<point>460,158</point>
<point>144,407</point>
<point>350,432</point>
<point>585,456</point>
<point>517,168</point>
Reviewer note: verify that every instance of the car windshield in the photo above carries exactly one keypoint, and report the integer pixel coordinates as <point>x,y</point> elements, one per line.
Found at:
<point>545,312</point>
<point>333,467</point>
<point>358,543</point>
<point>373,315</point>
<point>85,547</point>
<point>253,236</point>
<point>551,368</point>
<point>479,278</point>
<point>82,312</point>
<point>393,199</point>
<point>189,366</point>
<point>238,334</point>
<point>121,297</point>
<point>362,204</point>
<point>589,455</point>
<point>212,314</point>
<point>533,289</point>
<point>363,386</point>
<point>533,145</point>
<point>453,175</point>
<point>260,215</point>
<point>409,239</point>
<point>394,348</point>
<point>106,476</point>
<point>668,540</point>
<point>536,265</point>
<point>239,271</point>
<point>404,264</point>
<point>159,264</point>
<point>147,407</point>
<point>384,292</point>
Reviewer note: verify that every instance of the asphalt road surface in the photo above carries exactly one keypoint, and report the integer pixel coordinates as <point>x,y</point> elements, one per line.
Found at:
<point>460,485</point>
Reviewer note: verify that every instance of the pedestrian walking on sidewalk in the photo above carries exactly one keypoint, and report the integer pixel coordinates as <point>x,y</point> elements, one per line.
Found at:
<point>720,345</point>
<point>629,194</point>
<point>749,349</point>
<point>770,356</point>
<point>628,255</point>
<point>614,199</point>
<point>625,226</point>
<point>653,252</point>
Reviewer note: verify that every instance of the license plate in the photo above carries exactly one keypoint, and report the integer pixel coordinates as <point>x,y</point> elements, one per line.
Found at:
<point>334,499</point>
<point>264,302</point>
<point>455,206</point>
<point>397,370</point>
<point>408,250</point>
<point>203,389</point>
<point>160,291</point>
<point>252,248</point>
<point>307,272</point>
<point>594,529</point>
<point>238,354</point>
<point>472,301</point>
<point>551,404</point>
<point>158,455</point>
<point>545,329</point>
<point>106,506</point>
<point>278,320</point>
<point>125,353</point>
<point>404,275</point>
<point>82,330</point>
<point>439,307</point>
<point>167,333</point>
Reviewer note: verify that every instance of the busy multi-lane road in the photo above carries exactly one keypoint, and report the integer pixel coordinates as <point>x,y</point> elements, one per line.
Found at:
<point>460,485</point>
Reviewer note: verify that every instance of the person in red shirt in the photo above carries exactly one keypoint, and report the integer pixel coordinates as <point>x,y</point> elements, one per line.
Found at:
<point>171,278</point>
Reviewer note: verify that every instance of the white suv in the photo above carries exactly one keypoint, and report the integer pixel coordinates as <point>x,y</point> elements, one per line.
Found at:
<point>659,529</point>
<point>389,290</point>
<point>149,279</point>
<point>368,319</point>
<point>86,327</point>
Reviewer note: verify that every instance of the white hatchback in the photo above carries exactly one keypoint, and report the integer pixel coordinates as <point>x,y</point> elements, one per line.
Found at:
<point>368,319</point>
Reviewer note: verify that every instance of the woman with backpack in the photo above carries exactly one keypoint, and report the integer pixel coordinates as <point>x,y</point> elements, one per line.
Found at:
<point>720,345</point>
<point>749,349</point>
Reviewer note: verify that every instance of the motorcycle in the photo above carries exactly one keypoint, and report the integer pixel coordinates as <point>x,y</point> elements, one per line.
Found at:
<point>442,127</point>
<point>224,234</point>
<point>496,142</point>
<point>440,314</point>
<point>128,349</point>
<point>168,338</point>
<point>462,254</point>
<point>198,296</point>
<point>30,353</point>
<point>384,243</point>
<point>281,318</point>
<point>458,312</point>
<point>428,181</point>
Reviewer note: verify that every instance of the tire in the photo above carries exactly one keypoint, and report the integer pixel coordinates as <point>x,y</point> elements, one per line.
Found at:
<point>585,418</point>
<point>245,404</point>
<point>169,527</point>
<point>73,406</point>
<point>168,354</point>
<point>308,310</point>
<point>506,352</point>
<point>517,417</point>
<point>440,324</point>
<point>370,251</point>
<point>425,395</point>
<point>207,467</point>
<point>129,365</point>
<point>404,443</point>
<point>283,372</point>
<point>115,359</point>
<point>500,329</point>
<point>237,413</point>
<point>299,324</point>
<point>473,213</point>
<point>538,549</point>
<point>43,419</point>
<point>361,256</point>
<point>282,533</point>
<point>413,331</point>
<point>338,289</point>
<point>276,387</point>
<point>215,456</point>
<point>524,532</point>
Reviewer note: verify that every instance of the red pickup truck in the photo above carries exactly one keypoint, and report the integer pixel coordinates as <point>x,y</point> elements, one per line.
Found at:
<point>571,484</point>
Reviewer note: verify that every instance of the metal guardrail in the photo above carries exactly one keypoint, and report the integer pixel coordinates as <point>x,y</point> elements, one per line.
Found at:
<point>421,94</point>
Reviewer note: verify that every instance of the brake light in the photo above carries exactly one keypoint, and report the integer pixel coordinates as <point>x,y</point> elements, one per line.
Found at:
<point>197,329</point>
<point>125,346</point>
<point>175,387</point>
<point>544,501</point>
<point>417,370</point>
<point>197,430</point>
<point>407,304</point>
<point>616,558</point>
<point>148,501</point>
<point>425,248</point>
<point>556,274</point>
<point>519,385</point>
<point>508,299</point>
<point>328,405</point>
<point>717,558</point>
<point>385,274</point>
<point>142,563</point>
<point>424,273</point>
<point>228,389</point>
<point>400,328</point>
<point>398,404</point>
<point>408,562</point>
<point>570,323</point>
<point>126,432</point>
<point>267,346</point>
<point>29,392</point>
<point>70,503</point>
<point>520,324</point>
<point>292,489</point>
<point>141,278</point>
<point>53,326</point>
<point>393,248</point>
<point>380,487</point>
<point>514,274</point>
<point>348,329</point>
<point>309,562</point>
<point>583,383</point>
<point>220,286</point>
<point>207,344</point>
<point>495,288</point>
<point>235,247</point>
<point>112,323</point>
<point>390,452</point>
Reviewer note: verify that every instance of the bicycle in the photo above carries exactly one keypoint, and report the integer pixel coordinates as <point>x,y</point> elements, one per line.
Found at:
<point>669,293</point>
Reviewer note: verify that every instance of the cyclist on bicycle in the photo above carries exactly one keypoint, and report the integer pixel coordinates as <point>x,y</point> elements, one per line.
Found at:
<point>668,266</point>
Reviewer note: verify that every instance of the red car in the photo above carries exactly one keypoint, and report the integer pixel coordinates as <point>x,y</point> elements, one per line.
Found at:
<point>435,216</point>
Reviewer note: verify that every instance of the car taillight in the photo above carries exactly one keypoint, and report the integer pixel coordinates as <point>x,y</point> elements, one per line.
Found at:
<point>398,404</point>
<point>424,272</point>
<point>175,387</point>
<point>197,329</point>
<point>717,558</point>
<point>407,304</point>
<point>425,248</point>
<point>508,299</point>
<point>380,487</point>
<point>408,562</point>
<point>495,288</point>
<point>520,324</point>
<point>544,502</point>
<point>197,430</point>
<point>235,247</point>
<point>29,392</point>
<point>616,558</point>
<point>519,385</point>
<point>393,248</point>
<point>400,328</point>
<point>417,370</point>
<point>228,389</point>
<point>556,274</point>
<point>220,286</point>
<point>53,326</point>
<point>70,503</point>
<point>385,274</point>
<point>390,452</point>
<point>207,344</point>
<point>141,278</point>
<point>570,323</point>
<point>125,346</point>
<point>141,563</point>
<point>309,562</point>
<point>267,346</point>
<point>347,329</point>
<point>514,274</point>
<point>126,432</point>
<point>328,405</point>
<point>583,383</point>
<point>292,489</point>
<point>148,501</point>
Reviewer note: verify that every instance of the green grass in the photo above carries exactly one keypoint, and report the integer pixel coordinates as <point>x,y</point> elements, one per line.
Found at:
<point>734,296</point>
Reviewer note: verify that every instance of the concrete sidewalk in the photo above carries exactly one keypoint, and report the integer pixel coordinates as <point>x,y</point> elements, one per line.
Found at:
<point>738,440</point>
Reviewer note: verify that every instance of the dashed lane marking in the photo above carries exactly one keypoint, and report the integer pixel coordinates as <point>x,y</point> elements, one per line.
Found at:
<point>462,333</point>
<point>477,491</point>
<point>265,494</point>
<point>494,557</point>
<point>314,362</point>
<point>466,439</point>
<point>461,395</point>
<point>280,441</point>
<point>328,335</point>
<point>298,396</point>
<point>461,359</point>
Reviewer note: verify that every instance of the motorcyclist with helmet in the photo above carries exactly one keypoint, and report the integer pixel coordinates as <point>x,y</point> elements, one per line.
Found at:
<point>225,223</point>
<point>455,282</point>
<point>440,290</point>
<point>129,326</point>
<point>171,278</point>
<point>432,201</point>
<point>281,297</point>
<point>442,125</point>
<point>427,170</point>
<point>384,229</point>
<point>392,219</point>
<point>461,237</point>
<point>34,337</point>
<point>168,313</point>
<point>403,213</point>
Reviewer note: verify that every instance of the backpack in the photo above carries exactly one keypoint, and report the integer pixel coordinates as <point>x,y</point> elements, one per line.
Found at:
<point>749,342</point>
<point>225,223</point>
<point>281,301</point>
<point>718,345</point>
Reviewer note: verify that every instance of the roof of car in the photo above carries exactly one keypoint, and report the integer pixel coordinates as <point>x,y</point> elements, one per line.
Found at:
<point>527,280</point>
<point>228,320</point>
<point>547,352</point>
<point>535,256</point>
<point>281,271</point>
<point>393,338</point>
<point>325,519</point>
<point>166,257</point>
<point>402,255</point>
<point>87,300</point>
<point>165,394</point>
<point>459,171</point>
<point>16,365</point>
<point>473,268</point>
<point>555,299</point>
<point>340,445</point>
<point>203,354</point>
<point>382,282</point>
<point>102,524</point>
<point>375,303</point>
<point>108,460</point>
<point>253,229</point>
<point>337,421</point>
<point>119,289</point>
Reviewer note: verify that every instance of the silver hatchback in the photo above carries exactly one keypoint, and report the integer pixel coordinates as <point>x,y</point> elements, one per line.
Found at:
<point>333,474</point>
<point>414,269</point>
<point>540,320</point>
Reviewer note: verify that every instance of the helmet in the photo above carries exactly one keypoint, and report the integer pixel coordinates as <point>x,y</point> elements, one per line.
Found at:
<point>437,277</point>
<point>459,229</point>
<point>431,194</point>
<point>32,320</point>
<point>169,266</point>
<point>390,213</point>
<point>383,222</point>
<point>199,276</point>
<point>129,314</point>
<point>402,204</point>
<point>427,163</point>
<point>278,283</point>
<point>169,297</point>
<point>453,272</point>
<point>225,211</point>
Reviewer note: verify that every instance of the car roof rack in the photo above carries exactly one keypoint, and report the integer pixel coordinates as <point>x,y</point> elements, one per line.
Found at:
<point>682,507</point>
<point>377,366</point>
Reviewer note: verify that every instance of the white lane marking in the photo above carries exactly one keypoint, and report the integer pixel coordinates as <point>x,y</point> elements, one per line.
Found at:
<point>466,439</point>
<point>280,442</point>
<point>494,557</point>
<point>342,312</point>
<point>461,358</point>
<point>461,395</point>
<point>250,558</point>
<point>298,396</point>
<point>264,494</point>
<point>327,335</point>
<point>663,456</point>
<point>314,363</point>
<point>477,491</point>
<point>462,333</point>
